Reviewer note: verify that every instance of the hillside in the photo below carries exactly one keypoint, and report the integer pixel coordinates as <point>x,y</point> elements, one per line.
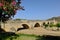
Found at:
<point>55,18</point>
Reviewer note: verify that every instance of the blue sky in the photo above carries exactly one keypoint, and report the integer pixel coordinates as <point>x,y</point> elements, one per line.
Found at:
<point>39,9</point>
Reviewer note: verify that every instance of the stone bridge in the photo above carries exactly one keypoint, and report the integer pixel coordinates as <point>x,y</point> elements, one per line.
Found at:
<point>15,25</point>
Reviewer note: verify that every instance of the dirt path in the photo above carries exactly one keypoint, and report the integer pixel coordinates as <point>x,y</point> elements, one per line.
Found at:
<point>39,31</point>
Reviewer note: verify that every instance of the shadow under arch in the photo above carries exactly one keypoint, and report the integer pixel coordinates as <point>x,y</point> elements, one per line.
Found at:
<point>24,26</point>
<point>37,25</point>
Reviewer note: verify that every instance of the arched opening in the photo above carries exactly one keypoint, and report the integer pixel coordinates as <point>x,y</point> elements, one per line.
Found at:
<point>24,26</point>
<point>37,25</point>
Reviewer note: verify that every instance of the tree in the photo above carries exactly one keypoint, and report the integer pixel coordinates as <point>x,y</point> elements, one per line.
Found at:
<point>58,25</point>
<point>8,9</point>
<point>44,24</point>
<point>51,24</point>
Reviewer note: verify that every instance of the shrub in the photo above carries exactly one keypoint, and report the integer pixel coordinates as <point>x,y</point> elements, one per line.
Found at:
<point>58,25</point>
<point>46,25</point>
<point>51,25</point>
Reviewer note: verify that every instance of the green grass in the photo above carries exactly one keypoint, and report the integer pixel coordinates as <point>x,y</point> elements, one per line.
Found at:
<point>20,37</point>
<point>24,37</point>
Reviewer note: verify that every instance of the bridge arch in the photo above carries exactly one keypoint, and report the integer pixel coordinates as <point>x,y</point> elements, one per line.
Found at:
<point>37,25</point>
<point>25,26</point>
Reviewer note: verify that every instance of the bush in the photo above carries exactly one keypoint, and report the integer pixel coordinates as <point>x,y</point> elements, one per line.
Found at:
<point>46,25</point>
<point>51,25</point>
<point>58,24</point>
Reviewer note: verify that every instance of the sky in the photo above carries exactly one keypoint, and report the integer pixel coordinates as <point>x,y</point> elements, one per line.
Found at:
<point>39,9</point>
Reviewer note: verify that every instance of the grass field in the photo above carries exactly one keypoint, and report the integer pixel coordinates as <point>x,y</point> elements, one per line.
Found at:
<point>19,37</point>
<point>27,37</point>
<point>23,37</point>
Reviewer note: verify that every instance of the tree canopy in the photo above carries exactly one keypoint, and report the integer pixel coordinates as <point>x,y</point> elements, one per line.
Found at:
<point>8,8</point>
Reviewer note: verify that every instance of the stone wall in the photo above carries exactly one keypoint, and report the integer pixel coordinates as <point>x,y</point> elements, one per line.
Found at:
<point>14,25</point>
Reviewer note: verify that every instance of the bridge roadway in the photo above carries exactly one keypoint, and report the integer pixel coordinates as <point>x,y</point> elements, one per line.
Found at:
<point>39,31</point>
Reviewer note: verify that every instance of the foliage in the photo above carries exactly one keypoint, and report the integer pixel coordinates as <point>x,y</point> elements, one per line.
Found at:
<point>58,24</point>
<point>46,25</point>
<point>27,37</point>
<point>8,35</point>
<point>8,8</point>
<point>51,25</point>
